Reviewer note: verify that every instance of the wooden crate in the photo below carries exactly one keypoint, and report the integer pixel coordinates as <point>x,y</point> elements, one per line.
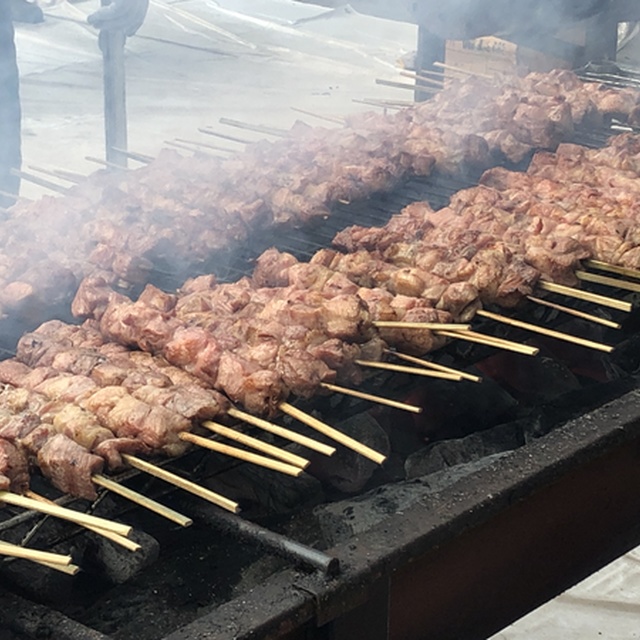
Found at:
<point>491,55</point>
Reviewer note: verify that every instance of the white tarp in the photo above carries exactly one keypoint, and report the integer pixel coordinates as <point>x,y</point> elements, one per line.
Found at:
<point>194,61</point>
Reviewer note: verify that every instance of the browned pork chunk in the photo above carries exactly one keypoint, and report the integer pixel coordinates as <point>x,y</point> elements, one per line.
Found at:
<point>14,471</point>
<point>69,466</point>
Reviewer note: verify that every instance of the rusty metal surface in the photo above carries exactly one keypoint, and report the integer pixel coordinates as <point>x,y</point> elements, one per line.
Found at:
<point>474,557</point>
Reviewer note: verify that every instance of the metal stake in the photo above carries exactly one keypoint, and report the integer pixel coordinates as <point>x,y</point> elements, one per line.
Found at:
<point>115,103</point>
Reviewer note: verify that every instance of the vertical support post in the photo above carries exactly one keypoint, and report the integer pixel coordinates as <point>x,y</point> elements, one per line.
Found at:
<point>430,49</point>
<point>115,103</point>
<point>10,153</point>
<point>601,40</point>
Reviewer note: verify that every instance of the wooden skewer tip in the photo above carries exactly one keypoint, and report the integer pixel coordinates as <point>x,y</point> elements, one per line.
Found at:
<point>64,513</point>
<point>241,454</point>
<point>183,483</point>
<point>332,433</point>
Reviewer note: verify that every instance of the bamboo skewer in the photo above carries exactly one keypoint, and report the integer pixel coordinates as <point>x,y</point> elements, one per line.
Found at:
<point>575,312</point>
<point>491,341</point>
<point>466,72</point>
<point>241,454</point>
<point>134,155</point>
<point>404,85</point>
<point>69,176</point>
<point>183,483</point>
<point>546,332</point>
<point>16,551</point>
<point>142,500</point>
<point>612,268</point>
<point>333,119</point>
<point>412,74</point>
<point>435,366</point>
<point>372,398</point>
<point>587,296</point>
<point>384,104</point>
<point>259,128</point>
<point>70,570</point>
<point>13,196</point>
<point>259,445</point>
<point>224,136</point>
<point>186,147</point>
<point>332,433</point>
<point>110,535</point>
<point>41,182</point>
<point>206,145</point>
<point>432,326</point>
<point>434,73</point>
<point>608,281</point>
<point>64,514</point>
<point>427,373</point>
<point>277,430</point>
<point>105,163</point>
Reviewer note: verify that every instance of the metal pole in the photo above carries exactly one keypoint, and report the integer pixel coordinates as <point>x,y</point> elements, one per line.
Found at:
<point>115,103</point>
<point>431,48</point>
<point>269,540</point>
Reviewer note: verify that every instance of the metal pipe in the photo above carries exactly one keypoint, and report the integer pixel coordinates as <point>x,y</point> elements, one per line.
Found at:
<point>269,540</point>
<point>115,103</point>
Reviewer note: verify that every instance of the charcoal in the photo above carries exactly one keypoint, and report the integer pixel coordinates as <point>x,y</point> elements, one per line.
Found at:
<point>347,471</point>
<point>37,581</point>
<point>530,380</point>
<point>450,453</point>
<point>339,521</point>
<point>120,564</point>
<point>451,411</point>
<point>21,619</point>
<point>262,492</point>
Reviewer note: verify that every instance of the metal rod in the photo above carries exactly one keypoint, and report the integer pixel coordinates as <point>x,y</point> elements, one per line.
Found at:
<point>270,541</point>
<point>115,102</point>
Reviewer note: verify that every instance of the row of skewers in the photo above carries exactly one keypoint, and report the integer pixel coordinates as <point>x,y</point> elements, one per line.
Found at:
<point>398,314</point>
<point>176,212</point>
<point>295,328</point>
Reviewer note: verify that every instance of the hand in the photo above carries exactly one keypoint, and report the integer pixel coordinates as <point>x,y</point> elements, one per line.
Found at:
<point>120,15</point>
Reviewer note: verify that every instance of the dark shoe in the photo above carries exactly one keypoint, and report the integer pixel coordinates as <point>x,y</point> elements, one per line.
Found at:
<point>23,11</point>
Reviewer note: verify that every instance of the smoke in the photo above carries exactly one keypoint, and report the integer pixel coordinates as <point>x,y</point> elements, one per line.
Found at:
<point>512,19</point>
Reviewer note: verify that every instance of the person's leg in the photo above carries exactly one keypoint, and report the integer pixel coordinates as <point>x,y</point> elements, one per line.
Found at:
<point>10,155</point>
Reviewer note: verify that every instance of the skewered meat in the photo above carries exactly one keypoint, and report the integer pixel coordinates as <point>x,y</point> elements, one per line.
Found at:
<point>178,211</point>
<point>14,473</point>
<point>58,455</point>
<point>237,369</point>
